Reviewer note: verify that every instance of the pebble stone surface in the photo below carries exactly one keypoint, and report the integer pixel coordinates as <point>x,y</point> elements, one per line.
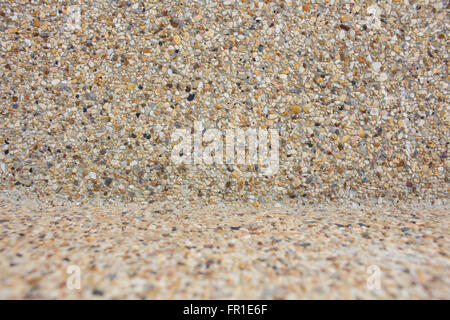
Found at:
<point>170,251</point>
<point>91,92</point>
<point>358,91</point>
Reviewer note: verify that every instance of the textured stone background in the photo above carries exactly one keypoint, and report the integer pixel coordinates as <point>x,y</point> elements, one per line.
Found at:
<point>358,92</point>
<point>224,251</point>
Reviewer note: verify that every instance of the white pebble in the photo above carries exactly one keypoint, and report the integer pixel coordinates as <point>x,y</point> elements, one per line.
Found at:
<point>376,66</point>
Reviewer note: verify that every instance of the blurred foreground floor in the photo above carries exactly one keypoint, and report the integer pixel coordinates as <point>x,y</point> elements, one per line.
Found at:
<point>222,252</point>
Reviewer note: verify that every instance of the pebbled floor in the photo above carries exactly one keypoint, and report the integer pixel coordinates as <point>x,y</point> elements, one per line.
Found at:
<point>167,251</point>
